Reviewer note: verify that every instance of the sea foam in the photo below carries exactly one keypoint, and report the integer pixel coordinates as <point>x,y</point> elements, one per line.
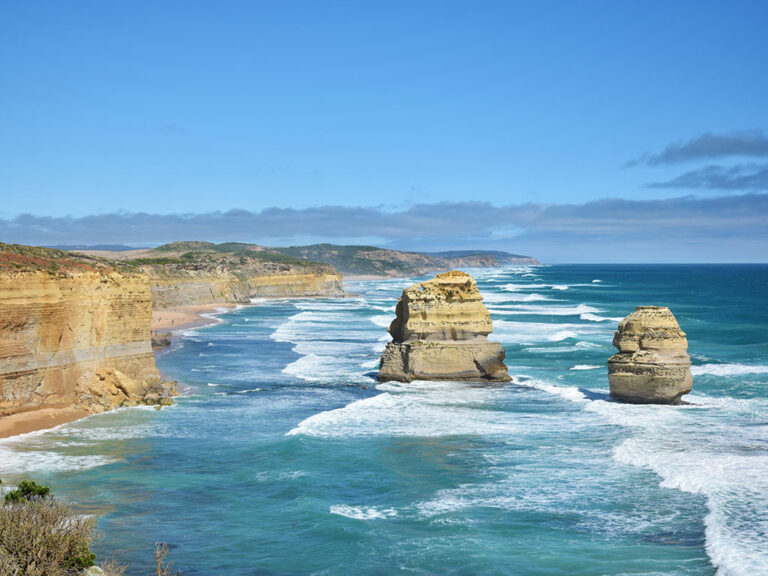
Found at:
<point>362,512</point>
<point>729,369</point>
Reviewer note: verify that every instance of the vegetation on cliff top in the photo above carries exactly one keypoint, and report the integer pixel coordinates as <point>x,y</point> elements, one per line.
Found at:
<point>20,258</point>
<point>195,255</point>
<point>370,260</point>
<point>229,253</point>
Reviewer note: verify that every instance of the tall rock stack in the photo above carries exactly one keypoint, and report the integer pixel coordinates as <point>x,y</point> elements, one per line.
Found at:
<point>652,366</point>
<point>440,333</point>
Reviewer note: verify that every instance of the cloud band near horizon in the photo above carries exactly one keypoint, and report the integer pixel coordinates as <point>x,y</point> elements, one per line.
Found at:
<point>728,228</point>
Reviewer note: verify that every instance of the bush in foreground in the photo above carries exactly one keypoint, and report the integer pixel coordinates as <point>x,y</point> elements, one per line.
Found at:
<point>40,536</point>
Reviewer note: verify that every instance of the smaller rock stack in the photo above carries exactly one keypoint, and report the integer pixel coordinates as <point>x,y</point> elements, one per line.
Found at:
<point>652,366</point>
<point>440,333</point>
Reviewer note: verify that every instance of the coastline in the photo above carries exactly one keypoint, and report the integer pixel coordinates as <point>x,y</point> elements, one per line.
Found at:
<point>185,317</point>
<point>39,419</point>
<point>163,320</point>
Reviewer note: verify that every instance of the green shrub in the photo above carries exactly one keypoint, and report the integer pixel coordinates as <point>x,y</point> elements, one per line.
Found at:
<point>27,490</point>
<point>40,536</point>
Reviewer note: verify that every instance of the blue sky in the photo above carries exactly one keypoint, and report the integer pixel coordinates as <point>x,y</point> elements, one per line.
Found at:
<point>116,109</point>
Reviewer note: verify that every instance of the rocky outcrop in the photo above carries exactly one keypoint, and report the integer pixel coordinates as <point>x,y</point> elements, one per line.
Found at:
<point>440,333</point>
<point>161,340</point>
<point>74,333</point>
<point>652,365</point>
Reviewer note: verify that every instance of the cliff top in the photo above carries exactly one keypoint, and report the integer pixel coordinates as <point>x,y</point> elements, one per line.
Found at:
<point>201,255</point>
<point>20,258</point>
<point>165,260</point>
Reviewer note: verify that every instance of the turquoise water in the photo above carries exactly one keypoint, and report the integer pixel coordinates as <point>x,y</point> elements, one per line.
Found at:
<point>287,458</point>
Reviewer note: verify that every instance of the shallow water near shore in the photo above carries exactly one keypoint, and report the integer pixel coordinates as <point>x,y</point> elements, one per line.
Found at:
<point>287,458</point>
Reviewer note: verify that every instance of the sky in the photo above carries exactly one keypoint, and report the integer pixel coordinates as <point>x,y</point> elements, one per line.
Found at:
<point>571,131</point>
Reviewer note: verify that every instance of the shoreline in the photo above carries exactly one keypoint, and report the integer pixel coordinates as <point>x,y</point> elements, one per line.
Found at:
<point>165,322</point>
<point>186,317</point>
<point>37,420</point>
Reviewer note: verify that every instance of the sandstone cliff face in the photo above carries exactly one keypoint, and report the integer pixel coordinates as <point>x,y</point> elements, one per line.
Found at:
<point>73,334</point>
<point>440,333</point>
<point>179,286</point>
<point>200,273</point>
<point>652,365</point>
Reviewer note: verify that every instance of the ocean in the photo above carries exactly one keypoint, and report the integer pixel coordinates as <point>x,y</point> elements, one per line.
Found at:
<point>286,457</point>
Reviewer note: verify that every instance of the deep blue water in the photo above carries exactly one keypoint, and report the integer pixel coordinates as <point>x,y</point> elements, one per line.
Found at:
<point>287,458</point>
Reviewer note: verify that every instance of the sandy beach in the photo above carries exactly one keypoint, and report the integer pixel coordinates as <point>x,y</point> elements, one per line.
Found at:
<point>183,317</point>
<point>34,420</point>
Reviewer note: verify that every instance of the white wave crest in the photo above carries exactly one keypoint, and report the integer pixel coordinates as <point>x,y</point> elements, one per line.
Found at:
<point>419,409</point>
<point>596,318</point>
<point>362,512</point>
<point>383,320</point>
<point>44,461</point>
<point>703,449</point>
<point>729,369</point>
<point>532,332</point>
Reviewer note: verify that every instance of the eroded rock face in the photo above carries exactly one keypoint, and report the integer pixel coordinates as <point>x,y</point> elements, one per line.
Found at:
<point>75,335</point>
<point>652,365</point>
<point>181,286</point>
<point>440,333</point>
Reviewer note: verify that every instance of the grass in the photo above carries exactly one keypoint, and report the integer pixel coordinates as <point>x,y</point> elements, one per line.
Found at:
<point>21,258</point>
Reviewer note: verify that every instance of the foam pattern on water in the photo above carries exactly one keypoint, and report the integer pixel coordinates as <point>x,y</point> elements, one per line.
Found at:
<point>298,462</point>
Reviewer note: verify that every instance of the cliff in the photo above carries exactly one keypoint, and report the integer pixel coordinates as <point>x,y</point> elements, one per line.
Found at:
<point>186,273</point>
<point>369,260</point>
<point>440,333</point>
<point>652,365</point>
<point>74,333</point>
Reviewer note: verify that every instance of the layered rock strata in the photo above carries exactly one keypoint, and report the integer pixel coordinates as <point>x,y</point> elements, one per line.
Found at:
<point>652,365</point>
<point>74,334</point>
<point>182,287</point>
<point>201,273</point>
<point>440,333</point>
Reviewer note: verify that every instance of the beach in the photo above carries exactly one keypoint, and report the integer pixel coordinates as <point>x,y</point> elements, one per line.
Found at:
<point>185,317</point>
<point>34,420</point>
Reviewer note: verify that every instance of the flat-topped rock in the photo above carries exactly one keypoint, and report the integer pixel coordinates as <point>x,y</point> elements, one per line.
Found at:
<point>440,333</point>
<point>652,365</point>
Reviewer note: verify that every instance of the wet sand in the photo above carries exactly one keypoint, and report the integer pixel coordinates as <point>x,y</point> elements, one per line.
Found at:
<point>34,420</point>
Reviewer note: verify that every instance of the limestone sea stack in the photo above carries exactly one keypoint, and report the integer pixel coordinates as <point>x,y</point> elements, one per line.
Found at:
<point>652,366</point>
<point>441,333</point>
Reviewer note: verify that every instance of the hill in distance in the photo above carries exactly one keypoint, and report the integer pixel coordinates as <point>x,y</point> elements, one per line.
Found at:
<point>349,260</point>
<point>373,261</point>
